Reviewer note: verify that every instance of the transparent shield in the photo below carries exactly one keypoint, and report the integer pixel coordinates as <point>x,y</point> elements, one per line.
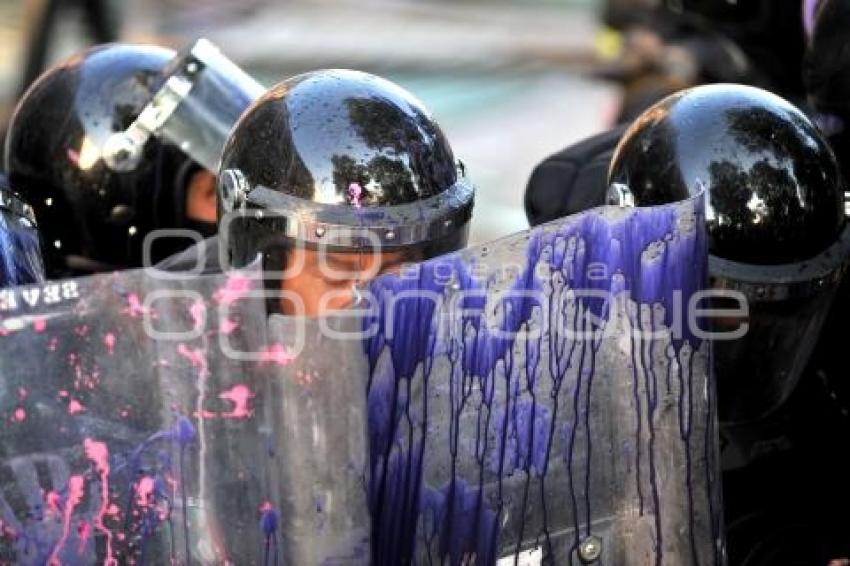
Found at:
<point>544,398</point>
<point>540,397</point>
<point>220,91</point>
<point>128,437</point>
<point>321,414</point>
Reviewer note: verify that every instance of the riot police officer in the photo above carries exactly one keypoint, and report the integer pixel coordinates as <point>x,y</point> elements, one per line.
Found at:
<point>20,250</point>
<point>105,148</point>
<point>777,234</point>
<point>776,222</point>
<point>333,177</point>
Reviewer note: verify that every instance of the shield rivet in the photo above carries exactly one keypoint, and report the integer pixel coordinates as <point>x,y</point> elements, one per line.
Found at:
<point>320,231</point>
<point>590,549</point>
<point>390,235</point>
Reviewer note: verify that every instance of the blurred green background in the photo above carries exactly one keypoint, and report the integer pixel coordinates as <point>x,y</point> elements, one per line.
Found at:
<point>506,80</point>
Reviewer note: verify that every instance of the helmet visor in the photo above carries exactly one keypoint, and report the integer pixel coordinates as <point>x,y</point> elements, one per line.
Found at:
<point>201,97</point>
<point>787,306</point>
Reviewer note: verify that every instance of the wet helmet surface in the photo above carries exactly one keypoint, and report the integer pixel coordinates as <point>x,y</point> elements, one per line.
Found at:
<point>92,214</point>
<point>342,151</point>
<point>774,191</point>
<point>775,221</point>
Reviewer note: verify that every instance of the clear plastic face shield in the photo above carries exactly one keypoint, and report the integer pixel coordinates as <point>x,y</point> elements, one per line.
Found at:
<point>20,252</point>
<point>786,308</point>
<point>317,254</point>
<point>194,109</point>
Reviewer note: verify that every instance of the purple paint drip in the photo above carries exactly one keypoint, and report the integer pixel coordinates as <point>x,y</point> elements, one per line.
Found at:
<point>522,429</point>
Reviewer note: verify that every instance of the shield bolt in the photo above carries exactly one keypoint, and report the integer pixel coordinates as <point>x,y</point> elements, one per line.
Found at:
<point>590,549</point>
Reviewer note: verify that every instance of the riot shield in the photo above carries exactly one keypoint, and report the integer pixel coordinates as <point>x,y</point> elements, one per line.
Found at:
<point>544,399</point>
<point>128,436</point>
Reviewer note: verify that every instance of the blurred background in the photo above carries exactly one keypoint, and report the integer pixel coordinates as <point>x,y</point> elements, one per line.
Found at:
<point>507,80</point>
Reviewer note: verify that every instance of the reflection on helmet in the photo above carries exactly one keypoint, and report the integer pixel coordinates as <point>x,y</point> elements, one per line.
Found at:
<point>20,252</point>
<point>82,147</point>
<point>340,159</point>
<point>775,218</point>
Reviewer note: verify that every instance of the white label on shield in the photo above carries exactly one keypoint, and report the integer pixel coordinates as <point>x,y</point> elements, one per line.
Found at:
<point>533,557</point>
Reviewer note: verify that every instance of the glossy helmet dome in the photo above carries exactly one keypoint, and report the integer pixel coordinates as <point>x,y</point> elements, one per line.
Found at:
<point>346,160</point>
<point>775,220</point>
<point>102,146</point>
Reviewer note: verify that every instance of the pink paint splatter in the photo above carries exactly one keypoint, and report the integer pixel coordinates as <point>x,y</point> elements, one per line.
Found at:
<point>109,342</point>
<point>75,407</point>
<point>355,193</point>
<point>20,415</point>
<point>134,307</point>
<point>227,326</point>
<point>76,486</point>
<point>197,357</point>
<point>84,532</point>
<point>276,354</point>
<point>304,377</point>
<point>39,324</point>
<point>204,414</point>
<point>6,531</point>
<point>82,330</point>
<point>53,502</point>
<point>52,344</point>
<point>239,395</point>
<point>22,393</point>
<point>85,380</point>
<point>98,454</point>
<point>237,287</point>
<point>198,311</point>
<point>63,393</point>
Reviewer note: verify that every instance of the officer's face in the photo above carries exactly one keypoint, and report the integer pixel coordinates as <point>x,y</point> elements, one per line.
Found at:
<point>200,196</point>
<point>317,282</point>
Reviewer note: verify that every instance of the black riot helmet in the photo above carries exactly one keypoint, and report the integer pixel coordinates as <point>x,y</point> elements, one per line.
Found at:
<point>20,251</point>
<point>776,223</point>
<point>99,145</point>
<point>345,160</point>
